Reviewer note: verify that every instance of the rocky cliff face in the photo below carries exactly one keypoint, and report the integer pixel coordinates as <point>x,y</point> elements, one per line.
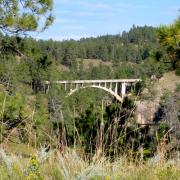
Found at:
<point>146,110</point>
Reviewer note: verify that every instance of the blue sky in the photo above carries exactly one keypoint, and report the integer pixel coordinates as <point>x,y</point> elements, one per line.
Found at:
<point>85,18</point>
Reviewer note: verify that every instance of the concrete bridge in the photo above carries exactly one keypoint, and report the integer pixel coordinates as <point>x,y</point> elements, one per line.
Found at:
<point>116,87</point>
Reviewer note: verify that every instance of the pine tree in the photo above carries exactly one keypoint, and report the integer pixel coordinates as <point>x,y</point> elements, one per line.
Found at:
<point>17,16</point>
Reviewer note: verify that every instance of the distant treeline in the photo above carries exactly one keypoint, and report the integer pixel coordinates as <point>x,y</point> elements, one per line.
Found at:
<point>134,46</point>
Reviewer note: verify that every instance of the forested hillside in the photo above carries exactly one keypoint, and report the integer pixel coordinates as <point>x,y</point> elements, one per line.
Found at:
<point>133,46</point>
<point>139,47</point>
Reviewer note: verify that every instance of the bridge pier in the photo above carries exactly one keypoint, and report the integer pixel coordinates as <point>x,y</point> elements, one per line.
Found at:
<point>110,87</point>
<point>123,89</point>
<point>105,84</point>
<point>116,88</point>
<point>77,85</point>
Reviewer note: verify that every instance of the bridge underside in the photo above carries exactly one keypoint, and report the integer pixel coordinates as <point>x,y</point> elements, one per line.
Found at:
<point>118,97</point>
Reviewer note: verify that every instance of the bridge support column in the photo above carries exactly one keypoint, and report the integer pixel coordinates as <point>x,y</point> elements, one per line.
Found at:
<point>116,88</point>
<point>105,84</point>
<point>77,85</point>
<point>123,89</point>
<point>110,86</point>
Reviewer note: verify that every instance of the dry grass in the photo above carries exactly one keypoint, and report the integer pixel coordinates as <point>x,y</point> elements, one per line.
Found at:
<point>72,166</point>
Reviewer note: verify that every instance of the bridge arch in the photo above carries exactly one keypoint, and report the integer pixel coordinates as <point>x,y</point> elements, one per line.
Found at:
<point>118,97</point>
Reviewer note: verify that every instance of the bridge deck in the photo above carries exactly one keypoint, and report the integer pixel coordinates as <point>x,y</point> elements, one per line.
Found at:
<point>96,81</point>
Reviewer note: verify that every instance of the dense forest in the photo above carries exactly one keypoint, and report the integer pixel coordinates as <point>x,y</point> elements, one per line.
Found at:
<point>52,118</point>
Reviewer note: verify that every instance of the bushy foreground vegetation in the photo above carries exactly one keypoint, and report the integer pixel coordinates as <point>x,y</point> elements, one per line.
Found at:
<point>70,165</point>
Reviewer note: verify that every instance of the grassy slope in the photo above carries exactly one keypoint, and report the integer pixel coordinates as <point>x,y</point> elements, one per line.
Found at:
<point>87,63</point>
